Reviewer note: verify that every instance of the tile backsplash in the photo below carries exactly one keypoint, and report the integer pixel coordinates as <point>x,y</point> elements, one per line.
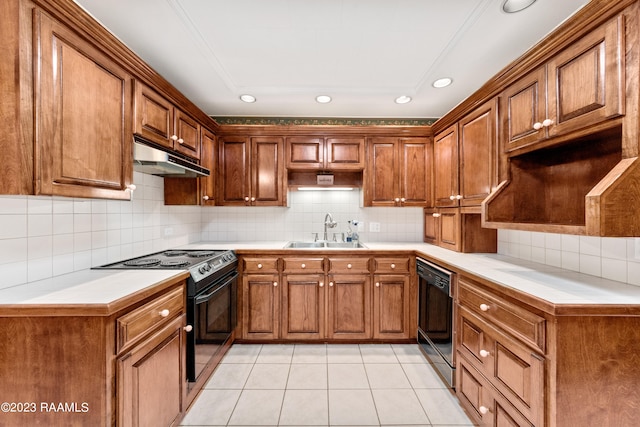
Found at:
<point>42,237</point>
<point>614,258</point>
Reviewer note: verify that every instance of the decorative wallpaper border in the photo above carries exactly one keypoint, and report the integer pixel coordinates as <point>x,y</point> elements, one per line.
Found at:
<point>310,121</point>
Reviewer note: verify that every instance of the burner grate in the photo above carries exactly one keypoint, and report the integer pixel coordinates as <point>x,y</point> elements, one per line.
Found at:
<point>144,262</point>
<point>201,254</point>
<point>174,263</point>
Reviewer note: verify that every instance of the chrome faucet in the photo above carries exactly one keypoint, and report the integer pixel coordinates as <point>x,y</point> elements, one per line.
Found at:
<point>328,222</point>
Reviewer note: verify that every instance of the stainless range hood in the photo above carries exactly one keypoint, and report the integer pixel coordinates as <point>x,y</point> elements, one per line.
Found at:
<point>153,161</point>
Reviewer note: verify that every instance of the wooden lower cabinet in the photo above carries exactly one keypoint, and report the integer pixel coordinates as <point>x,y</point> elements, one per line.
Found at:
<point>488,406</point>
<point>303,306</point>
<point>349,306</point>
<point>391,306</point>
<point>260,306</point>
<point>151,378</point>
<point>117,364</point>
<point>317,297</point>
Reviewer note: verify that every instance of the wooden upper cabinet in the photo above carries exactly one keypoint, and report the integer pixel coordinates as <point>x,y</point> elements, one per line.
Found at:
<point>579,87</point>
<point>445,159</point>
<point>478,166</point>
<point>251,171</point>
<point>320,153</point>
<point>159,121</point>
<point>398,172</point>
<point>83,117</point>
<point>209,160</point>
<point>344,153</point>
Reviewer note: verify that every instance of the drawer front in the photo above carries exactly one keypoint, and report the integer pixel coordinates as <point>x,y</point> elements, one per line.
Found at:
<point>399,265</point>
<point>514,319</point>
<point>149,317</point>
<point>260,265</point>
<point>511,367</point>
<point>303,265</point>
<point>348,265</point>
<point>482,401</point>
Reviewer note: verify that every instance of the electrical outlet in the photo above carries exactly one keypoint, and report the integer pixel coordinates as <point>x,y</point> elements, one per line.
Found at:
<point>374,227</point>
<point>637,249</point>
<point>168,231</point>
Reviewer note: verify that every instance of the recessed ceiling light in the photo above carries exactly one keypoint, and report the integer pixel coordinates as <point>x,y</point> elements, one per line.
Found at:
<point>513,6</point>
<point>403,99</point>
<point>248,98</point>
<point>323,99</point>
<point>444,82</point>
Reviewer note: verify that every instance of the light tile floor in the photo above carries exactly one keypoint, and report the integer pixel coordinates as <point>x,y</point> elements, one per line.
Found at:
<point>325,385</point>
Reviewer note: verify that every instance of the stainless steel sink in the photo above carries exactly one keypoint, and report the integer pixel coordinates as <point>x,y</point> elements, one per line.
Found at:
<point>294,245</point>
<point>324,245</point>
<point>355,245</point>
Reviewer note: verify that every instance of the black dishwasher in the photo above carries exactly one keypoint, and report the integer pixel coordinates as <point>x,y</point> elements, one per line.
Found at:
<point>435,317</point>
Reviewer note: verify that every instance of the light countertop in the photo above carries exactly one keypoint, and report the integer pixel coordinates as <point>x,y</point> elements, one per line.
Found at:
<point>89,288</point>
<point>548,283</point>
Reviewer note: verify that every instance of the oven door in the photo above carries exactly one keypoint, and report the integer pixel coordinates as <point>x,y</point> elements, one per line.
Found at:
<point>214,319</point>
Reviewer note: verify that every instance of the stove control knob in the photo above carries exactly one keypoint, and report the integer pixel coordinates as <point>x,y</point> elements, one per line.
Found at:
<point>202,269</point>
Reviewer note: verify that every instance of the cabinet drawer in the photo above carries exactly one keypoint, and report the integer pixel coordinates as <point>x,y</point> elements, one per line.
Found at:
<point>151,316</point>
<point>482,401</point>
<point>259,265</point>
<point>303,265</point>
<point>511,367</point>
<point>348,265</point>
<point>397,265</point>
<point>512,318</point>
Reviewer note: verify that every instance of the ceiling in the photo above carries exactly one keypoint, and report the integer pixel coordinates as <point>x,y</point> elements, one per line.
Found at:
<point>363,53</point>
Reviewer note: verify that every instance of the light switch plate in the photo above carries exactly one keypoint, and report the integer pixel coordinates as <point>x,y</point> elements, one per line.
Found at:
<point>374,227</point>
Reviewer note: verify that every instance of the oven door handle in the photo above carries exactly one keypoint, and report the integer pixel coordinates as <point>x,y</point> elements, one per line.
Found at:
<point>204,298</point>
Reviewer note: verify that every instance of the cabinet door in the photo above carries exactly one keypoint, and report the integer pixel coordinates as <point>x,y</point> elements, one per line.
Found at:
<point>151,379</point>
<point>445,166</point>
<point>153,118</point>
<point>303,306</point>
<point>234,171</point>
<point>586,81</point>
<point>482,401</point>
<point>305,153</point>
<point>431,226</point>
<point>449,229</point>
<point>349,306</point>
<point>381,172</point>
<point>187,129</point>
<point>523,104</point>
<point>83,117</point>
<point>344,153</point>
<point>391,306</point>
<point>414,171</point>
<point>260,306</point>
<point>267,172</point>
<point>478,161</point>
<point>209,160</point>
